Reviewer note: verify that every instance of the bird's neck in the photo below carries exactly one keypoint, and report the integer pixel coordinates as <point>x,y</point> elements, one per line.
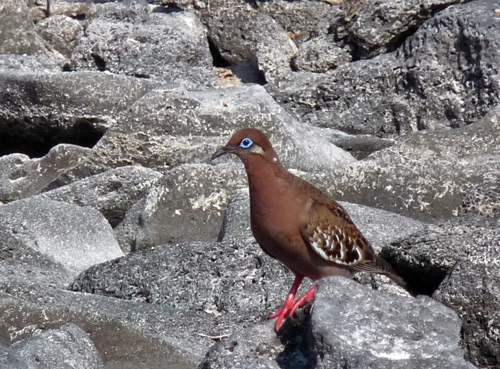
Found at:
<point>265,180</point>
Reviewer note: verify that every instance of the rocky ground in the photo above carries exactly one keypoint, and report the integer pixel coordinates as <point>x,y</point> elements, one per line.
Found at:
<point>123,246</point>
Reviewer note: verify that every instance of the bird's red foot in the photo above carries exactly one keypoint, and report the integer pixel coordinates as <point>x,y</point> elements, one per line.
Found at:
<point>291,305</point>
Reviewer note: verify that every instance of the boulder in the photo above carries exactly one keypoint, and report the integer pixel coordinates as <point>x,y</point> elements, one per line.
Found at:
<point>76,237</point>
<point>472,287</point>
<point>353,326</point>
<point>68,347</point>
<point>442,75</point>
<point>133,40</point>
<point>22,177</point>
<point>112,193</point>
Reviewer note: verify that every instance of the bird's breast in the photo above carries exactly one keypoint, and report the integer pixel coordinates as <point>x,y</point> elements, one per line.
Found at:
<point>276,217</point>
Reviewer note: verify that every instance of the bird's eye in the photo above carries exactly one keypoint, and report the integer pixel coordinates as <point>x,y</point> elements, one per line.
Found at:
<point>246,143</point>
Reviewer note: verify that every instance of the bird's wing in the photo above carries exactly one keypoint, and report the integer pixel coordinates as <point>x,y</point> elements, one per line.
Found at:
<point>331,233</point>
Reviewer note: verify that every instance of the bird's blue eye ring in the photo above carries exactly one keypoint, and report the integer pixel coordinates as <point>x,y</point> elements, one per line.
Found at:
<point>246,143</point>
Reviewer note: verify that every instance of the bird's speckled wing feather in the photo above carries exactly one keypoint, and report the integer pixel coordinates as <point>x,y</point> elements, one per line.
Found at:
<point>331,233</point>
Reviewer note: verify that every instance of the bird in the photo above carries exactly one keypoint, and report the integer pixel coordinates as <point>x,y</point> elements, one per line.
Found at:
<point>296,223</point>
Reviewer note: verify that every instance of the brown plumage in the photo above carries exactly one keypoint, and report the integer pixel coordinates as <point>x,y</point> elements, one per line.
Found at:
<point>297,224</point>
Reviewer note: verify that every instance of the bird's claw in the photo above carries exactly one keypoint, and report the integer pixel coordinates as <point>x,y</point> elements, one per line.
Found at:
<point>291,306</point>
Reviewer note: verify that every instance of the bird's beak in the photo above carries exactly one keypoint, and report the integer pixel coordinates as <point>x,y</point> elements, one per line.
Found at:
<point>222,151</point>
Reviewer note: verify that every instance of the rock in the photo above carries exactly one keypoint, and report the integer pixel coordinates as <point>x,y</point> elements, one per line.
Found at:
<point>441,76</point>
<point>275,49</point>
<point>378,330</point>
<point>24,268</point>
<point>18,35</point>
<point>236,222</point>
<point>68,234</point>
<point>62,32</point>
<point>233,281</point>
<point>259,347</point>
<point>302,20</point>
<point>112,192</point>
<point>377,27</point>
<point>28,63</point>
<point>22,177</point>
<point>381,330</point>
<point>426,175</point>
<point>132,40</point>
<point>40,110</point>
<point>186,204</point>
<point>157,334</point>
<point>428,255</point>
<point>65,348</point>
<point>176,126</point>
<point>472,289</point>
<point>321,54</point>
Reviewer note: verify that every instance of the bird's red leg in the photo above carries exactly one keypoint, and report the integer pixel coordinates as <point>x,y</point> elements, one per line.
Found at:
<point>289,304</point>
<point>307,298</point>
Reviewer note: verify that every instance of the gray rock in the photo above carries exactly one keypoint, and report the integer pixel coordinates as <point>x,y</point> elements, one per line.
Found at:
<point>68,234</point>
<point>441,76</point>
<point>40,110</point>
<point>18,35</point>
<point>426,175</point>
<point>428,255</point>
<point>233,281</point>
<point>260,31</point>
<point>65,348</point>
<point>275,49</point>
<point>380,330</point>
<point>168,47</point>
<point>482,199</point>
<point>25,268</point>
<point>321,54</point>
<point>62,32</point>
<point>28,63</point>
<point>176,126</point>
<point>22,177</point>
<point>112,192</point>
<point>376,27</point>
<point>126,334</point>
<point>472,289</point>
<point>302,20</point>
<point>236,222</point>
<point>186,204</point>
<point>260,347</point>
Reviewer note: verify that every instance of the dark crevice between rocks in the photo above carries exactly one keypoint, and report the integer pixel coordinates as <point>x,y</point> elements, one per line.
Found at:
<point>420,277</point>
<point>167,8</point>
<point>41,136</point>
<point>295,336</point>
<point>247,72</point>
<point>100,63</point>
<point>218,59</point>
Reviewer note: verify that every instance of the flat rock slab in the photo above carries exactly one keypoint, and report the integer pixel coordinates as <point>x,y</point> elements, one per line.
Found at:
<point>355,327</point>
<point>76,237</point>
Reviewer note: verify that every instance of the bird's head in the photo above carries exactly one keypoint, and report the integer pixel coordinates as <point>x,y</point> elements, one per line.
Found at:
<point>247,144</point>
